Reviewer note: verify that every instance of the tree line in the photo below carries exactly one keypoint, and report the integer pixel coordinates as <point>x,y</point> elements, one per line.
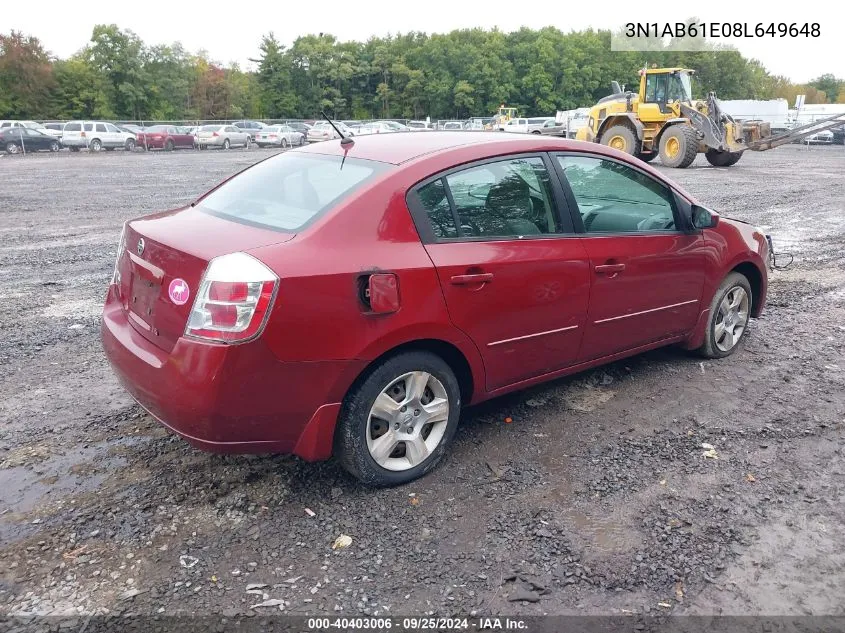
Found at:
<point>453,75</point>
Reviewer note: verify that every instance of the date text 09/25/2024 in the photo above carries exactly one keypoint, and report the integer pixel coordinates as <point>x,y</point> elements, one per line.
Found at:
<point>722,29</point>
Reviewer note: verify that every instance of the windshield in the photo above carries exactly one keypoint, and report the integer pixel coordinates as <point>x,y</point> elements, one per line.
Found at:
<point>209,128</point>
<point>288,191</point>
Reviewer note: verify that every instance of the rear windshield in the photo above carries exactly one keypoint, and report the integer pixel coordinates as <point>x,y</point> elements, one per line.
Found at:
<point>157,128</point>
<point>210,128</point>
<point>288,191</point>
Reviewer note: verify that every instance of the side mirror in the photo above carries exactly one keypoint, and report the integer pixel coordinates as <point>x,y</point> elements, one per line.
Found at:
<point>704,218</point>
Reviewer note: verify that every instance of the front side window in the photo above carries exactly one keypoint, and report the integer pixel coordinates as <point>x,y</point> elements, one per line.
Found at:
<point>508,198</point>
<point>111,128</point>
<point>614,198</point>
<point>288,191</point>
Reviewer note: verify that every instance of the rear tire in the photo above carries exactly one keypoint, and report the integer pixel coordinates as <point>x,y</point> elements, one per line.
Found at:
<point>284,143</point>
<point>11,148</point>
<point>54,146</point>
<point>359,429</point>
<point>722,159</point>
<point>96,145</point>
<point>620,137</point>
<point>168,146</point>
<point>721,338</point>
<point>129,146</point>
<point>226,144</point>
<point>678,146</point>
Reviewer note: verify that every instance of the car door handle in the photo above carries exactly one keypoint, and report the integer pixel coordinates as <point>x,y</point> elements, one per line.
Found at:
<point>468,280</point>
<point>609,269</point>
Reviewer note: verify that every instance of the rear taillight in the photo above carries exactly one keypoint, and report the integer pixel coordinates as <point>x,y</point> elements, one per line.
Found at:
<point>121,246</point>
<point>215,134</point>
<point>233,301</point>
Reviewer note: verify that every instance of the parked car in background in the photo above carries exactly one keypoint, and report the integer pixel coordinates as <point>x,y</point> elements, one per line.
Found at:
<point>96,135</point>
<point>131,127</point>
<point>54,129</point>
<point>418,126</point>
<point>824,137</point>
<point>474,125</point>
<point>23,139</point>
<point>839,135</point>
<point>452,125</point>
<point>223,136</point>
<point>166,137</point>
<point>32,125</point>
<point>552,128</point>
<point>445,287</point>
<point>526,125</point>
<point>279,135</point>
<point>250,127</point>
<point>322,131</point>
<point>381,127</point>
<point>299,126</point>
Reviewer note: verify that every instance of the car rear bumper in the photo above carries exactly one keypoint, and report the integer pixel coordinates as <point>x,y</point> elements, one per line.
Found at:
<point>229,398</point>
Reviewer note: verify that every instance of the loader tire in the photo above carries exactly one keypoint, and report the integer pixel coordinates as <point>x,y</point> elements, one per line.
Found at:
<point>678,146</point>
<point>620,137</point>
<point>722,159</point>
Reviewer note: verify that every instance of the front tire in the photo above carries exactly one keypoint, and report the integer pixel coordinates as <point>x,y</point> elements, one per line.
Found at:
<point>396,423</point>
<point>729,314</point>
<point>678,146</point>
<point>129,145</point>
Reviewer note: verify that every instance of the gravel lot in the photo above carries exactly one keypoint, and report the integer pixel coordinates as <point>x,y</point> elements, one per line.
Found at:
<point>596,499</point>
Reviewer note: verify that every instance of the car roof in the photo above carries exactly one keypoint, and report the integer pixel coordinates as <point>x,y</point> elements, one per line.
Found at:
<point>402,147</point>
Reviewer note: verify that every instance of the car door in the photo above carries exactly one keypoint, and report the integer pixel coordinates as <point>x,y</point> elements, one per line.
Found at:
<point>101,133</point>
<point>116,138</point>
<point>514,275</point>
<point>647,272</point>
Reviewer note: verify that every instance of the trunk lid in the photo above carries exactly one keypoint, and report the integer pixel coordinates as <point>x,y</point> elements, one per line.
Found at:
<point>163,261</point>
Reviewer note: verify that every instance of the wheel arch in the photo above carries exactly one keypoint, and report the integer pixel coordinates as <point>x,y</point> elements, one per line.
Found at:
<point>623,118</point>
<point>457,360</point>
<point>752,273</point>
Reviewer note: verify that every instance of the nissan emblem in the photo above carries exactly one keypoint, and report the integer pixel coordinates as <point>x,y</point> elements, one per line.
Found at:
<point>141,246</point>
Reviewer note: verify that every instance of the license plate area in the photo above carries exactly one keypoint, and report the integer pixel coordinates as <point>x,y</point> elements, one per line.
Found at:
<point>142,298</point>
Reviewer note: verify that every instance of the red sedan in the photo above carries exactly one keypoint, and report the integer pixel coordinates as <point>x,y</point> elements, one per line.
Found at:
<point>166,137</point>
<point>350,299</point>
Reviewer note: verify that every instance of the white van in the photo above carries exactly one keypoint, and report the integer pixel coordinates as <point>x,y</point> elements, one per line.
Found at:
<point>95,135</point>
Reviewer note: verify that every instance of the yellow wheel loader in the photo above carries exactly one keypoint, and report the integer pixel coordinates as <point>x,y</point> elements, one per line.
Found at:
<point>662,119</point>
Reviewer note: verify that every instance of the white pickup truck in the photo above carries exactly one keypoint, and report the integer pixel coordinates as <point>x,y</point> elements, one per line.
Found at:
<point>527,126</point>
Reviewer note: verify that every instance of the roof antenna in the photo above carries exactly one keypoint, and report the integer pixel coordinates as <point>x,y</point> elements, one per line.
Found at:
<point>344,140</point>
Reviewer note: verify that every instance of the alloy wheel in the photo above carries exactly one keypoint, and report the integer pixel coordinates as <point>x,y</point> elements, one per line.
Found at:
<point>731,319</point>
<point>407,421</point>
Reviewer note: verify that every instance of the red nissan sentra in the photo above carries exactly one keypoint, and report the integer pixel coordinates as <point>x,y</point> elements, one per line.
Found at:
<point>350,299</point>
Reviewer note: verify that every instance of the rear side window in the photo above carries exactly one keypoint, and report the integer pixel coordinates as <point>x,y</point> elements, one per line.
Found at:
<point>288,191</point>
<point>101,127</point>
<point>433,199</point>
<point>73,127</point>
<point>509,198</point>
<point>88,127</point>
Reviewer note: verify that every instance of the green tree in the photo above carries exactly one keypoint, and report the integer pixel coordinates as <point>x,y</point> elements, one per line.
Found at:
<point>277,98</point>
<point>26,77</point>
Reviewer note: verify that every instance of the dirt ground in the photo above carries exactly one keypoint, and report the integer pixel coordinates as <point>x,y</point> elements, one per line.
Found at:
<point>596,499</point>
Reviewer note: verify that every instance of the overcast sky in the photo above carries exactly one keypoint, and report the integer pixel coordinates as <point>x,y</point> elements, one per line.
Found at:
<point>232,33</point>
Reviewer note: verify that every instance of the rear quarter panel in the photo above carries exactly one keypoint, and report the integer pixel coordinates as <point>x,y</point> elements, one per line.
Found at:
<point>318,315</point>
